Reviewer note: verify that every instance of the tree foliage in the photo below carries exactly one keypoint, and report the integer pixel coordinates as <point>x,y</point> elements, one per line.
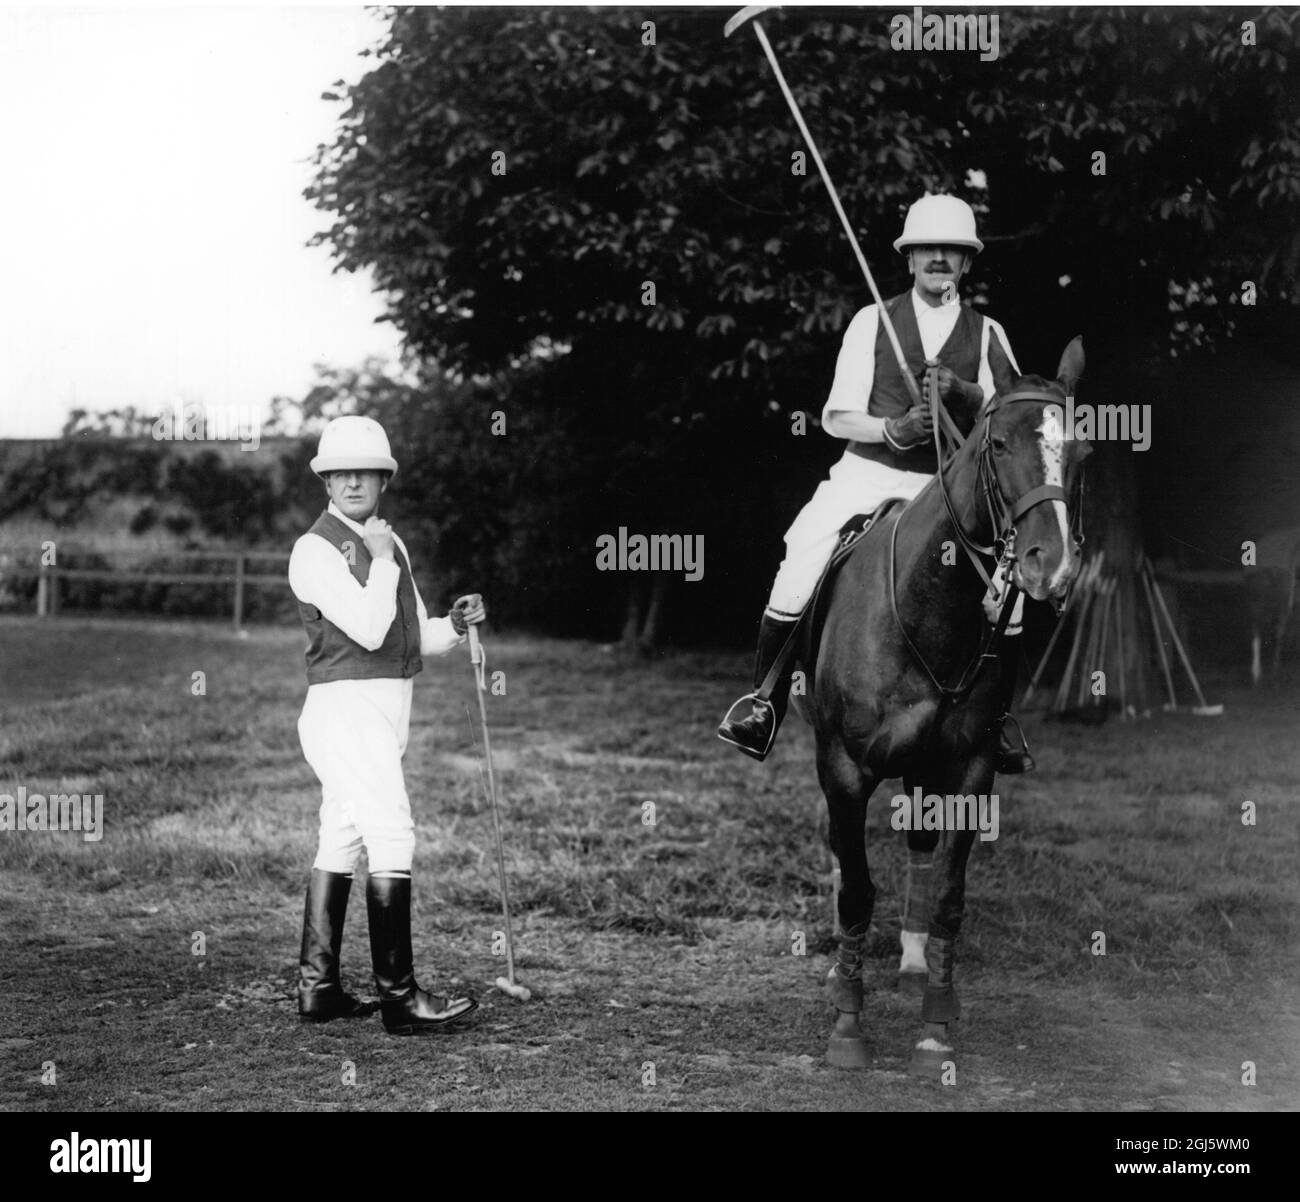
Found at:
<point>671,163</point>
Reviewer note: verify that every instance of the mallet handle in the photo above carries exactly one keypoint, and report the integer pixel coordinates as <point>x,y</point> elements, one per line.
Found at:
<point>913,391</point>
<point>476,658</point>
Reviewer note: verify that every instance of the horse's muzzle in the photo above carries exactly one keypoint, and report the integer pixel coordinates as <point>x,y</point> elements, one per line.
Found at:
<point>1045,582</point>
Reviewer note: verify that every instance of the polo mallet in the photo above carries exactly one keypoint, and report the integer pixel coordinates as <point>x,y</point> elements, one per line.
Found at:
<point>506,984</point>
<point>750,15</point>
<point>1204,709</point>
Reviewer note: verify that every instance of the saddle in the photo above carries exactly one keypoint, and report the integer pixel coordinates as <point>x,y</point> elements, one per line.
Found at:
<point>803,639</point>
<point>851,534</point>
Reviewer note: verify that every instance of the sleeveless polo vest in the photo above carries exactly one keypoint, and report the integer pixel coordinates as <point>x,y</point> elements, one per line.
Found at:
<point>331,654</point>
<point>889,396</point>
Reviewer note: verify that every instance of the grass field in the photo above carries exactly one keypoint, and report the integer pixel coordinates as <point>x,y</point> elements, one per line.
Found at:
<point>668,945</point>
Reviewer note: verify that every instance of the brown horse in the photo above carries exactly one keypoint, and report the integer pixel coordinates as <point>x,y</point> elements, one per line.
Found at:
<point>910,679</point>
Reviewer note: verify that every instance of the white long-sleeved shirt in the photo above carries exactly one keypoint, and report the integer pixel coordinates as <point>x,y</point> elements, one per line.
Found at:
<point>855,369</point>
<point>320,576</point>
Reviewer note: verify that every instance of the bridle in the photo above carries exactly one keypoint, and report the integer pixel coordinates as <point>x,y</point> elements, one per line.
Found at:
<point>1003,516</point>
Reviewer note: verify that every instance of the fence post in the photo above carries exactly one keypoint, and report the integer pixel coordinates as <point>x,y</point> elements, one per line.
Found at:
<point>54,590</point>
<point>43,593</point>
<point>239,591</point>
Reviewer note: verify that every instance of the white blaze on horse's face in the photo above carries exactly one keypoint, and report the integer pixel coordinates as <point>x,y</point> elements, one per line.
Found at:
<point>1047,559</point>
<point>1052,448</point>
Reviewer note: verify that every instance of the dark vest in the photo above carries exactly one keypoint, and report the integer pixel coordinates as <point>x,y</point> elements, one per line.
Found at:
<point>331,654</point>
<point>889,396</point>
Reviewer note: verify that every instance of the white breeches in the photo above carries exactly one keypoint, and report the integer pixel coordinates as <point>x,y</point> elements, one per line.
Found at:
<point>353,733</point>
<point>855,485</point>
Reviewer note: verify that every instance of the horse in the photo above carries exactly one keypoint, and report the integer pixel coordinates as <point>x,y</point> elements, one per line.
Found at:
<point>1270,598</point>
<point>904,615</point>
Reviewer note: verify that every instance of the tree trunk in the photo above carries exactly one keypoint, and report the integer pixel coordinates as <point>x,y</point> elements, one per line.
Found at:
<point>648,642</point>
<point>632,617</point>
<point>643,617</point>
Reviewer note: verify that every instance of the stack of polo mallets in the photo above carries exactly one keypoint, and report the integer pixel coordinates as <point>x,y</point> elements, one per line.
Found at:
<point>1105,612</point>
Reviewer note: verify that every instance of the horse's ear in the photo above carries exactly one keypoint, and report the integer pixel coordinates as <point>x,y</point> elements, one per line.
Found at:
<point>1004,375</point>
<point>1070,370</point>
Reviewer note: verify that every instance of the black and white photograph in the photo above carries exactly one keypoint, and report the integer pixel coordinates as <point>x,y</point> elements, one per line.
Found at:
<point>672,559</point>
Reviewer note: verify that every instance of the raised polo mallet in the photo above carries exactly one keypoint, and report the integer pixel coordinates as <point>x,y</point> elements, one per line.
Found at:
<point>750,16</point>
<point>506,984</point>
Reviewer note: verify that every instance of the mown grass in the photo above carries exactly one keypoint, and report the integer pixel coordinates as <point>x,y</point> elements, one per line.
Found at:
<point>633,934</point>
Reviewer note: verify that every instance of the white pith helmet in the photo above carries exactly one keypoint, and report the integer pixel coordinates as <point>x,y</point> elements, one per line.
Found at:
<point>353,443</point>
<point>939,220</point>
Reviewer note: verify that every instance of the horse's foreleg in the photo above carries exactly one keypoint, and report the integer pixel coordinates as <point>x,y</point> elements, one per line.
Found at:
<point>940,1006</point>
<point>847,791</point>
<point>912,970</point>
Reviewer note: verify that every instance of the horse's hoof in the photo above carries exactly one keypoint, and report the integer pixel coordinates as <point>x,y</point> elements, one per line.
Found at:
<point>932,1059</point>
<point>848,1051</point>
<point>913,983</point>
<point>847,1048</point>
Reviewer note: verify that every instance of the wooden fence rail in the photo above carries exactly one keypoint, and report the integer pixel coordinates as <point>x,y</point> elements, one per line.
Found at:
<point>48,576</point>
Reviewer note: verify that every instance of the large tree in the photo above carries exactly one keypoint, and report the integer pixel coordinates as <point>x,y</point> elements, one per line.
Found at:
<point>515,179</point>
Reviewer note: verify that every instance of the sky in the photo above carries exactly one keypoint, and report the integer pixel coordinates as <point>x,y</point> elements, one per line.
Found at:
<point>152,225</point>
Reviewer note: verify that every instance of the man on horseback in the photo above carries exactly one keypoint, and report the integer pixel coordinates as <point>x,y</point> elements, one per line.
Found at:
<point>891,447</point>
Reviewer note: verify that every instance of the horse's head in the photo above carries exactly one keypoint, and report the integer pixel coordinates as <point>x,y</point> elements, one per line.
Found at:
<point>1031,471</point>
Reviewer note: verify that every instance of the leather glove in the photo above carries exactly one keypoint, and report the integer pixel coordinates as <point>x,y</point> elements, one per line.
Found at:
<point>951,386</point>
<point>468,611</point>
<point>914,428</point>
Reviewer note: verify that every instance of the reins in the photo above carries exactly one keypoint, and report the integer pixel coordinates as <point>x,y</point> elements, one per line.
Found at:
<point>1003,516</point>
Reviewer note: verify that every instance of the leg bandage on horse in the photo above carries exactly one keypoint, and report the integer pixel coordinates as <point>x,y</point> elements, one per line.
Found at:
<point>916,902</point>
<point>940,1004</point>
<point>916,911</point>
<point>845,978</point>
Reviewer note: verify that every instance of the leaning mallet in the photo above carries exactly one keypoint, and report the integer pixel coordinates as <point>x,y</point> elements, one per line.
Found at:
<point>750,15</point>
<point>506,984</point>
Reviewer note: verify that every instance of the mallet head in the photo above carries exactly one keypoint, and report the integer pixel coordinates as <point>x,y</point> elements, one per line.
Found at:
<point>745,15</point>
<point>522,992</point>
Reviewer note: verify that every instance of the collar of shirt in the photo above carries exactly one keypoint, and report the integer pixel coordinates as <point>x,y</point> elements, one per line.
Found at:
<point>347,521</point>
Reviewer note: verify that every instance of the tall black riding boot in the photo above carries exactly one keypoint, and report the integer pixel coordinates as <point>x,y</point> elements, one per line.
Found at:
<point>1012,760</point>
<point>756,732</point>
<point>320,993</point>
<point>406,1008</point>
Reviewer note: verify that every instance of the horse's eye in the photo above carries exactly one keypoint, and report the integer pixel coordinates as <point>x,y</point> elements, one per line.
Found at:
<point>999,444</point>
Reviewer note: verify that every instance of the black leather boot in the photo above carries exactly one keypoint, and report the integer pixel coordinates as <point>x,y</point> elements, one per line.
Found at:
<point>1012,760</point>
<point>755,733</point>
<point>406,1008</point>
<point>320,993</point>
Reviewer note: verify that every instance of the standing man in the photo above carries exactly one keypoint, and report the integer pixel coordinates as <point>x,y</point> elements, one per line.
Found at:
<point>891,449</point>
<point>366,629</point>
